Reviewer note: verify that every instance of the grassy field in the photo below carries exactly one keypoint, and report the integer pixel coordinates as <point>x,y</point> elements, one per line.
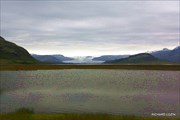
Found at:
<point>77,117</point>
<point>85,66</point>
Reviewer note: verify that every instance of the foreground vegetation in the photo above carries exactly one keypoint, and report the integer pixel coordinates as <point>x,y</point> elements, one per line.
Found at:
<point>85,66</point>
<point>28,114</point>
<point>76,117</point>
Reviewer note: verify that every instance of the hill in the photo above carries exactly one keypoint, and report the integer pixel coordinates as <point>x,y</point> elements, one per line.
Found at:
<point>62,57</point>
<point>47,58</point>
<point>11,53</point>
<point>56,59</point>
<point>142,58</point>
<point>170,55</point>
<point>109,57</point>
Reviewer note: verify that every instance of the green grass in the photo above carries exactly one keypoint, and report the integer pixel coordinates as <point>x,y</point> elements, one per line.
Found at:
<point>24,116</point>
<point>28,114</point>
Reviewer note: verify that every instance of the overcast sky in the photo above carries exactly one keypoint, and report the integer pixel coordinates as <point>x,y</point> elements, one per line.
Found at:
<point>90,28</point>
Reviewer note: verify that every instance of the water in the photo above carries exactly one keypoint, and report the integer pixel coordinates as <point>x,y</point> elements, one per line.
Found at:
<point>123,92</point>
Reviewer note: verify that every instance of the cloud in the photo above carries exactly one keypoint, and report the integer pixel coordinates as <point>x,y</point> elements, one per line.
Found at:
<point>97,27</point>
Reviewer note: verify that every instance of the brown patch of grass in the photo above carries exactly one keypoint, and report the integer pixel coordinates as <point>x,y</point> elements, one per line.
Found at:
<point>101,66</point>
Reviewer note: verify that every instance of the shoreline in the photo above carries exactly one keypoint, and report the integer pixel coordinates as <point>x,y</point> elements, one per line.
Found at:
<point>90,66</point>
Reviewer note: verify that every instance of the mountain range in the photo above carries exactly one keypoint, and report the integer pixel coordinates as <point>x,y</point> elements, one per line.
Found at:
<point>163,55</point>
<point>166,54</point>
<point>56,59</point>
<point>142,58</point>
<point>109,57</point>
<point>11,53</point>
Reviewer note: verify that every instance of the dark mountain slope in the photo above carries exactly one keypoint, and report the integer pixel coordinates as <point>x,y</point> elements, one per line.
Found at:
<point>47,58</point>
<point>11,53</point>
<point>170,55</point>
<point>109,57</point>
<point>62,57</point>
<point>142,58</point>
<point>56,59</point>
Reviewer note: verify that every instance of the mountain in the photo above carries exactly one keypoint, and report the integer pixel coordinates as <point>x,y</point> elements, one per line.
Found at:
<point>170,55</point>
<point>165,49</point>
<point>109,57</point>
<point>142,58</point>
<point>89,57</point>
<point>83,60</point>
<point>11,53</point>
<point>56,59</point>
<point>62,57</point>
<point>47,58</point>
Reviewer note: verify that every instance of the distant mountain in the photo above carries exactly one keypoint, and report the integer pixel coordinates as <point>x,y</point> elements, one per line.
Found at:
<point>47,58</point>
<point>109,57</point>
<point>62,57</point>
<point>177,48</point>
<point>165,49</point>
<point>84,60</point>
<point>89,57</point>
<point>142,58</point>
<point>170,55</point>
<point>11,53</point>
<point>56,59</point>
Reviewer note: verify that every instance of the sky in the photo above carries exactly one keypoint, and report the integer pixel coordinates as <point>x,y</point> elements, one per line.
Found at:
<point>91,28</point>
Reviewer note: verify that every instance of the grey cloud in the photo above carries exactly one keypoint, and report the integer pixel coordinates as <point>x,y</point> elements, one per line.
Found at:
<point>98,25</point>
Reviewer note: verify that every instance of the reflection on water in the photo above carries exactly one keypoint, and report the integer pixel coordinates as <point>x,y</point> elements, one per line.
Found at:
<point>91,91</point>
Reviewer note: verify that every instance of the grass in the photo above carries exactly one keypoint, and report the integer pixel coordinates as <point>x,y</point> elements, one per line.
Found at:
<point>28,114</point>
<point>85,66</point>
<point>24,116</point>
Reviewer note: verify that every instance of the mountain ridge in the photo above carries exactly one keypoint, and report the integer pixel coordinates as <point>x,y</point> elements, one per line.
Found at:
<point>141,58</point>
<point>11,53</point>
<point>109,57</point>
<point>169,55</point>
<point>56,58</point>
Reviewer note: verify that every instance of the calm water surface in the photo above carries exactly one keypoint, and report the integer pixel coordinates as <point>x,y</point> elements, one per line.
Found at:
<point>138,92</point>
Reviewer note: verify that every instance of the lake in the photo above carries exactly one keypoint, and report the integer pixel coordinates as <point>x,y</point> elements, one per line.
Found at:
<point>122,92</point>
